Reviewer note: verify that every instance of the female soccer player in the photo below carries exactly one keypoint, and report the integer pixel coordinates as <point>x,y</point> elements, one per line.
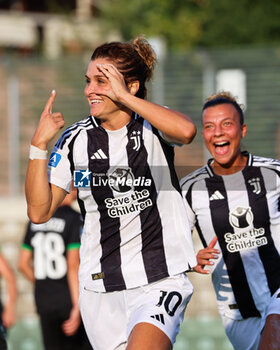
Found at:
<point>133,289</point>
<point>234,200</point>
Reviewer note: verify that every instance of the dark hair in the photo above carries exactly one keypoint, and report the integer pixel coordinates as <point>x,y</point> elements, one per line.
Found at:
<point>221,98</point>
<point>135,60</point>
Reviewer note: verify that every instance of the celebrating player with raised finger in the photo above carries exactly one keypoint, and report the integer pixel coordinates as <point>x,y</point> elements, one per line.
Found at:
<point>133,259</point>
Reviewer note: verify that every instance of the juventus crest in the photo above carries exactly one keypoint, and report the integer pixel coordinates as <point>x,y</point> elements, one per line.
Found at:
<point>255,182</point>
<point>135,136</point>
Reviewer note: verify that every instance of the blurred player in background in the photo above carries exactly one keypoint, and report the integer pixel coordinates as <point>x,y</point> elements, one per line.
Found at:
<point>8,310</point>
<point>49,257</point>
<point>234,201</point>
<point>133,289</point>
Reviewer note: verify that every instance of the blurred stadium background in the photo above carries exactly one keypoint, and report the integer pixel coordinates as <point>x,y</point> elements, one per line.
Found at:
<point>47,46</point>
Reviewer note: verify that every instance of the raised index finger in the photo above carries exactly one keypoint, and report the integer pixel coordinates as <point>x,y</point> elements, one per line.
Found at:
<point>49,104</point>
<point>213,242</point>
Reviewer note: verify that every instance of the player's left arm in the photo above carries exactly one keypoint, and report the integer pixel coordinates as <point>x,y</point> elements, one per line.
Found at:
<point>176,127</point>
<point>71,325</point>
<point>9,311</point>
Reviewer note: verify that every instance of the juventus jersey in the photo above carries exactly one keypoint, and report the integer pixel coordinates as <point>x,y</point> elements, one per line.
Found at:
<point>49,243</point>
<point>242,209</point>
<point>135,228</point>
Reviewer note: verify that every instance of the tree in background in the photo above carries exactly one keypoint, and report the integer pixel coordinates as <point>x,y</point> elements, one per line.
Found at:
<point>195,23</point>
<point>227,23</point>
<point>178,22</point>
<point>184,24</point>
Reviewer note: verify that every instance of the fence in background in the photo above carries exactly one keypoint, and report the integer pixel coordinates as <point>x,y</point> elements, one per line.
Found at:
<point>181,81</point>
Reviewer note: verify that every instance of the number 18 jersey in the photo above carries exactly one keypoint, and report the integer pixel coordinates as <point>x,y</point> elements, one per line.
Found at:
<point>49,243</point>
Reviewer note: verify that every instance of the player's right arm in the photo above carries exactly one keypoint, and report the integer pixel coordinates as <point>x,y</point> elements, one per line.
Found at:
<point>204,257</point>
<point>42,198</point>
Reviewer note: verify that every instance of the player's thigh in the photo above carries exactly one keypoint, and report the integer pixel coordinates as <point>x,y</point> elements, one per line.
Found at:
<point>104,318</point>
<point>145,336</point>
<point>158,309</point>
<point>243,334</point>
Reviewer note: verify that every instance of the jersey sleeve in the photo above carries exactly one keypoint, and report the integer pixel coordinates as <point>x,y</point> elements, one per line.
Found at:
<point>187,195</point>
<point>59,166</point>
<point>190,213</point>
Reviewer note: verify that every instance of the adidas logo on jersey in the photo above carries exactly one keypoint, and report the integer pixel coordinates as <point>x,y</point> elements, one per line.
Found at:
<point>216,195</point>
<point>159,317</point>
<point>99,154</point>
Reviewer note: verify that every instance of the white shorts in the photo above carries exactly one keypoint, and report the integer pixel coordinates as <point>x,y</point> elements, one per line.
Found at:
<point>110,317</point>
<point>274,305</point>
<point>245,334</point>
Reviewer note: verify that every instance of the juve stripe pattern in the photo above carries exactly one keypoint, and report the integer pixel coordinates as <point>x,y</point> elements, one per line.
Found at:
<point>242,209</point>
<point>130,207</point>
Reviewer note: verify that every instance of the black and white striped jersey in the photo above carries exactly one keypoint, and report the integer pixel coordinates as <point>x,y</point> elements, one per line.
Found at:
<point>135,230</point>
<point>242,209</point>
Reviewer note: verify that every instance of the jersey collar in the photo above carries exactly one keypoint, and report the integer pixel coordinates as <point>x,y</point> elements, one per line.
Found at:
<point>210,161</point>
